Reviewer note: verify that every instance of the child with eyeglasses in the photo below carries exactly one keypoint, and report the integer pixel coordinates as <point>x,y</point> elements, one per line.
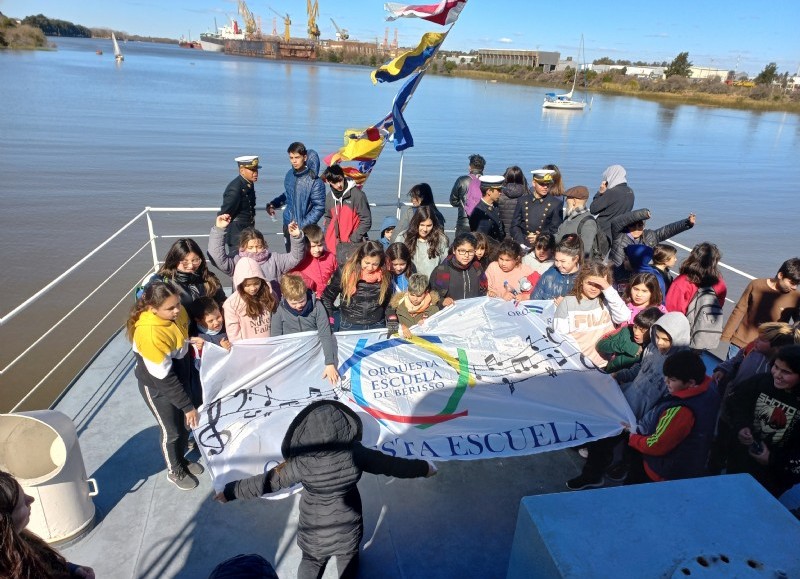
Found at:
<point>460,275</point>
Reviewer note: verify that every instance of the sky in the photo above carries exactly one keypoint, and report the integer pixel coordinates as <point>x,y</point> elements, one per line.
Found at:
<point>738,35</point>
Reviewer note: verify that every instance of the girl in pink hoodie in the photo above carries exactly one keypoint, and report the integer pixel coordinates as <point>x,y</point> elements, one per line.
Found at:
<point>249,309</point>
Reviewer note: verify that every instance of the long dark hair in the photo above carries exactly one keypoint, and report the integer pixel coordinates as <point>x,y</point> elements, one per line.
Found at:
<point>261,303</point>
<point>651,282</point>
<point>23,555</point>
<point>435,237</point>
<point>702,265</point>
<point>178,252</point>
<point>399,250</point>
<point>424,193</point>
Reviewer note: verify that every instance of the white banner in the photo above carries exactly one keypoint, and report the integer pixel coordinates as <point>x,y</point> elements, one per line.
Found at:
<point>480,379</point>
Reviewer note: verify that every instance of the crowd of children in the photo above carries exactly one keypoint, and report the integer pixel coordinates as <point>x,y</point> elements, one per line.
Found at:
<point>623,309</point>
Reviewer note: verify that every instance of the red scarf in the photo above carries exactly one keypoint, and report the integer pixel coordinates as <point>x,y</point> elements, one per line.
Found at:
<point>374,277</point>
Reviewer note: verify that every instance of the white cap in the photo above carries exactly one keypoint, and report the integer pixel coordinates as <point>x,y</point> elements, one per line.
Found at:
<point>249,161</point>
<point>546,175</point>
<point>492,180</point>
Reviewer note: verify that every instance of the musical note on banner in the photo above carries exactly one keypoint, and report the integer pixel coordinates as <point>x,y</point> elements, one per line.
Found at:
<point>210,437</point>
<point>510,385</point>
<point>314,392</point>
<point>522,364</point>
<point>492,363</point>
<point>283,405</point>
<point>534,348</point>
<point>561,360</point>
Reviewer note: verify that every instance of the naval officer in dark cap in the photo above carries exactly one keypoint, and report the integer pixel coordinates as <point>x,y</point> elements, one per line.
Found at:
<point>239,200</point>
<point>485,217</point>
<point>537,213</point>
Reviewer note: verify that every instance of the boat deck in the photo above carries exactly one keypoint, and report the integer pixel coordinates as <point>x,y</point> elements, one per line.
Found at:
<point>459,523</point>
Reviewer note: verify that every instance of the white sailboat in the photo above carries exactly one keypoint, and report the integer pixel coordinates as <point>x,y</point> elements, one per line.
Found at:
<point>117,52</point>
<point>565,101</point>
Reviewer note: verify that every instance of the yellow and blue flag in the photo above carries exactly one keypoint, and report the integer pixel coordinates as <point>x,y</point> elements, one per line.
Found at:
<point>408,62</point>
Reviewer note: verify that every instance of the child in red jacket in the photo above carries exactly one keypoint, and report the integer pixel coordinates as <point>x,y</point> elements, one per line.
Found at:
<point>677,432</point>
<point>318,264</point>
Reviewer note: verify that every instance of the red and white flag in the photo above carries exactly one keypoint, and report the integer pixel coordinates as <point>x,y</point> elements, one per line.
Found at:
<point>445,12</point>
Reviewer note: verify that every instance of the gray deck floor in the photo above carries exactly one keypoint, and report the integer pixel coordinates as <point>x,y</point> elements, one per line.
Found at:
<point>459,523</point>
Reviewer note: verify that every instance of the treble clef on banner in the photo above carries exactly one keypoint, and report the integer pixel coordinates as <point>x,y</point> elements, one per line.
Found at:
<point>210,437</point>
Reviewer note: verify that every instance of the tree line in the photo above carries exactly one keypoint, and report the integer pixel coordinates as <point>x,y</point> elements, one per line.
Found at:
<point>55,27</point>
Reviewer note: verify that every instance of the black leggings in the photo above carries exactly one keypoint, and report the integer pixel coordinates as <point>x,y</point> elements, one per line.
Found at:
<point>172,424</point>
<point>313,568</point>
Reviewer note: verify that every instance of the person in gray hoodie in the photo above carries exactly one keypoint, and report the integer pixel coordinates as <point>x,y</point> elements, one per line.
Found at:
<point>642,385</point>
<point>299,311</point>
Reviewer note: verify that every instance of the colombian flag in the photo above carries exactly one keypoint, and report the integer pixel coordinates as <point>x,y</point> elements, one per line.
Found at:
<point>408,62</point>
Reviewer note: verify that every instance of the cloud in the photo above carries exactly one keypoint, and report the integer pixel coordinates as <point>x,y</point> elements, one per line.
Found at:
<point>657,35</point>
<point>505,40</point>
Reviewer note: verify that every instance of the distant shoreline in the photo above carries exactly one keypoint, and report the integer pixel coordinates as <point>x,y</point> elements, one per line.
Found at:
<point>688,98</point>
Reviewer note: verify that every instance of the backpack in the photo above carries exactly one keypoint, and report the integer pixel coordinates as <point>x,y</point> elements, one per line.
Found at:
<point>474,194</point>
<point>705,319</point>
<point>600,247</point>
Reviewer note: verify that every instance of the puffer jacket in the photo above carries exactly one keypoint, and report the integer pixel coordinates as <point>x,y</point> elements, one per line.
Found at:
<point>553,284</point>
<point>643,383</point>
<point>364,307</point>
<point>303,194</point>
<point>322,450</point>
<point>651,237</point>
<point>508,203</point>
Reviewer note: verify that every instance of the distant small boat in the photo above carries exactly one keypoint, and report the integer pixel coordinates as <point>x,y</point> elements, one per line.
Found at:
<point>117,52</point>
<point>566,101</point>
<point>98,52</point>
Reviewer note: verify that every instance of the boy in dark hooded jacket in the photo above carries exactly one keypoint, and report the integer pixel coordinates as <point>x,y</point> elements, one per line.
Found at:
<point>323,452</point>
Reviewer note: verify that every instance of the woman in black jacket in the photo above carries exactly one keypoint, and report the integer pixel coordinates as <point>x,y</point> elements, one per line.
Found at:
<point>323,452</point>
<point>365,288</point>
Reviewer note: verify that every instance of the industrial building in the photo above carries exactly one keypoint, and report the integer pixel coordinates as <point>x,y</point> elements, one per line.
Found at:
<point>531,58</point>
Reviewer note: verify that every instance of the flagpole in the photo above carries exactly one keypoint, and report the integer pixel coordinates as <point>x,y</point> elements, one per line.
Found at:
<point>400,185</point>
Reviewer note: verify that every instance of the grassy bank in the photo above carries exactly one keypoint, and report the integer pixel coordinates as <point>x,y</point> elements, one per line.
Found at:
<point>631,87</point>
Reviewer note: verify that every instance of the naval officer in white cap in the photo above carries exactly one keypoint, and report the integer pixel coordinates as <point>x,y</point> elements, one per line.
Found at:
<point>537,213</point>
<point>239,200</point>
<point>485,217</point>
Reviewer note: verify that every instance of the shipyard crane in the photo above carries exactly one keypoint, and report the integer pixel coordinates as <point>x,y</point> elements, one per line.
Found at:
<point>250,26</point>
<point>313,14</point>
<point>287,23</point>
<point>341,33</point>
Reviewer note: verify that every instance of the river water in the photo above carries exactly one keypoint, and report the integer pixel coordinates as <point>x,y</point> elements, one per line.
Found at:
<point>85,144</point>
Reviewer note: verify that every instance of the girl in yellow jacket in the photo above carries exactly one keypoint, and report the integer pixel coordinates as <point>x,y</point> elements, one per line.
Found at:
<point>158,330</point>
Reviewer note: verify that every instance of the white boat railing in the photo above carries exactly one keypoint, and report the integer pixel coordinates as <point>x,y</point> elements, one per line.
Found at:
<point>28,305</point>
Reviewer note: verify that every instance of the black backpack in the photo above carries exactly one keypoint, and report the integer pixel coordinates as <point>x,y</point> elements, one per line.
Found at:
<point>705,319</point>
<point>600,247</point>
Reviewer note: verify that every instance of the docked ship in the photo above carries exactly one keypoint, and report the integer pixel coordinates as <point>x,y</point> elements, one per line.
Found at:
<point>215,41</point>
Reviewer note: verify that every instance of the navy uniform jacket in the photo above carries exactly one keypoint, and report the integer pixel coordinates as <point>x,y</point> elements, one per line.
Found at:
<point>238,201</point>
<point>486,219</point>
<point>535,216</point>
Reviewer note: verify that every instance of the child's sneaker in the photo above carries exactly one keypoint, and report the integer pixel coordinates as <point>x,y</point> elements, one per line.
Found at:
<point>617,472</point>
<point>182,479</point>
<point>583,452</point>
<point>193,468</point>
<point>583,482</point>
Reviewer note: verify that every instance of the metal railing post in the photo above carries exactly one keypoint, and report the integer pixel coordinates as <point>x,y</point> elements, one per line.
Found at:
<point>152,235</point>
